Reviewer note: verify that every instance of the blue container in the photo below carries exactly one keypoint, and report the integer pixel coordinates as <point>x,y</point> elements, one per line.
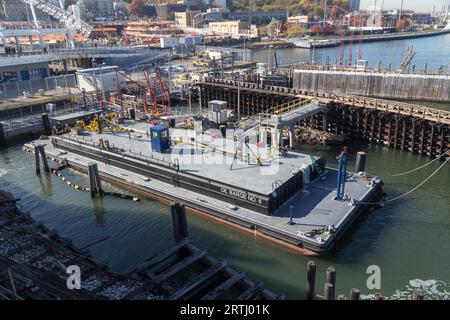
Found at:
<point>160,139</point>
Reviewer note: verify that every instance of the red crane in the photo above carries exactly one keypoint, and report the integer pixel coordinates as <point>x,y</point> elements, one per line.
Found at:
<point>151,91</point>
<point>350,49</point>
<point>164,91</point>
<point>141,87</point>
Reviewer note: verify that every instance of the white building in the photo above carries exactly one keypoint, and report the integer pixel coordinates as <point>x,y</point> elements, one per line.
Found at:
<point>298,19</point>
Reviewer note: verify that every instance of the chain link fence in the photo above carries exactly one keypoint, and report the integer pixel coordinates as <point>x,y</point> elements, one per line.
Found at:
<point>37,87</point>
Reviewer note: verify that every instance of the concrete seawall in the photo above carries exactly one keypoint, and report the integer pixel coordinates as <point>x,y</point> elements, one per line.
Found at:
<point>379,85</point>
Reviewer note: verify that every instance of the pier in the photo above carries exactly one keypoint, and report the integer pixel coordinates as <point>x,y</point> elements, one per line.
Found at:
<point>405,126</point>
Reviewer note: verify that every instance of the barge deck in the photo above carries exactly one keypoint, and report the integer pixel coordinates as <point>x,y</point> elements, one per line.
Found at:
<point>243,197</point>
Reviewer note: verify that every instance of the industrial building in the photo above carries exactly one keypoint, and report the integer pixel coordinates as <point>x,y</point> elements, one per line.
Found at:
<point>186,18</point>
<point>232,27</point>
<point>259,17</point>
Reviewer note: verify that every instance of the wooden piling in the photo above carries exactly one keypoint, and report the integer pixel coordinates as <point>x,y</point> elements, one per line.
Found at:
<point>95,184</point>
<point>355,294</point>
<point>39,153</point>
<point>418,295</point>
<point>360,162</point>
<point>179,221</point>
<point>311,280</point>
<point>331,275</point>
<point>328,291</point>
<point>46,122</point>
<point>331,279</point>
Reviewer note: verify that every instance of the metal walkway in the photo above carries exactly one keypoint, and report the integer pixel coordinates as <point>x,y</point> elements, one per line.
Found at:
<point>62,15</point>
<point>394,107</point>
<point>150,54</point>
<point>291,113</point>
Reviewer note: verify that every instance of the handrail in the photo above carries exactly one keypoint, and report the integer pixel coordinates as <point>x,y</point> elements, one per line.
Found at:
<point>403,108</point>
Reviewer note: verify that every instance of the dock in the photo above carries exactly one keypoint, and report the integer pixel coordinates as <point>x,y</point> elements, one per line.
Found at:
<point>400,125</point>
<point>209,180</point>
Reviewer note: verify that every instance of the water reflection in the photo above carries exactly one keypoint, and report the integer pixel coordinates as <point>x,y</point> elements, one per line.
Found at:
<point>98,208</point>
<point>46,183</point>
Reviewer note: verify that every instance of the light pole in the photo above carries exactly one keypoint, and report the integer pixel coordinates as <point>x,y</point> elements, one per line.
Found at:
<point>400,15</point>
<point>101,82</point>
<point>94,64</point>
<point>190,102</point>
<point>239,99</point>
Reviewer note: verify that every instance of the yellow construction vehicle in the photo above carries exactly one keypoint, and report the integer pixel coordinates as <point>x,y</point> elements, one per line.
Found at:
<point>201,63</point>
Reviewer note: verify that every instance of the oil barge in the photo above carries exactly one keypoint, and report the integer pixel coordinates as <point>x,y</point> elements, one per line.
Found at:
<point>235,176</point>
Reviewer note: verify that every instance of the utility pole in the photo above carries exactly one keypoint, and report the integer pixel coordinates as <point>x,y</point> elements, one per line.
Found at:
<point>190,102</point>
<point>400,14</point>
<point>239,99</point>
<point>101,82</point>
<point>95,76</point>
<point>374,14</point>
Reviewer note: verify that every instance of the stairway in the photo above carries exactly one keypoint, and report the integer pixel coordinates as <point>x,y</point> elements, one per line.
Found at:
<point>318,168</point>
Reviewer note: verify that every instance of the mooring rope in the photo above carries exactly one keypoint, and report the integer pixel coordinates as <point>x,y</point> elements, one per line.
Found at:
<point>410,191</point>
<point>64,165</point>
<point>421,167</point>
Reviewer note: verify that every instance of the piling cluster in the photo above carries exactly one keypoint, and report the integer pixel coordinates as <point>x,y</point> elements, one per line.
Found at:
<point>329,288</point>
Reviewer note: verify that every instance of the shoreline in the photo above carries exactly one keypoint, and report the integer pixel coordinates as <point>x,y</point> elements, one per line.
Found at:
<point>334,41</point>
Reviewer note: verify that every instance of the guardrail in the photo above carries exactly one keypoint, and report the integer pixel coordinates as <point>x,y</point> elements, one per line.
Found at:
<point>288,106</point>
<point>403,108</point>
<point>407,109</point>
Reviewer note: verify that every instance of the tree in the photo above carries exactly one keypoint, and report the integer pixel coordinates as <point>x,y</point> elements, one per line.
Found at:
<point>401,24</point>
<point>262,31</point>
<point>294,30</point>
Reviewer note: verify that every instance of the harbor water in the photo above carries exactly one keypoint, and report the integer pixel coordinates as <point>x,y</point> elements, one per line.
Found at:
<point>408,239</point>
<point>432,52</point>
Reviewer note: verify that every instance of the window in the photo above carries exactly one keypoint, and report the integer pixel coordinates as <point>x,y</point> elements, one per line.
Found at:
<point>34,72</point>
<point>10,76</point>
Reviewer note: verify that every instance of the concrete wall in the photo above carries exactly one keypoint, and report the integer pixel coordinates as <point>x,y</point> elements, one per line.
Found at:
<point>380,85</point>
